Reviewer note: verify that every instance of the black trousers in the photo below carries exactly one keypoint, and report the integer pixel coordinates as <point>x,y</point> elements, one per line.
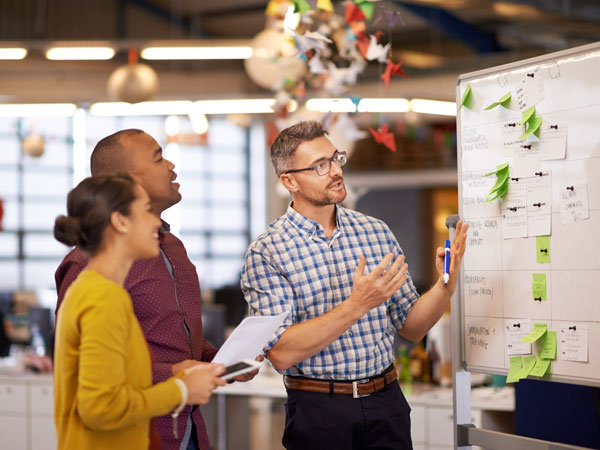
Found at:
<point>340,422</point>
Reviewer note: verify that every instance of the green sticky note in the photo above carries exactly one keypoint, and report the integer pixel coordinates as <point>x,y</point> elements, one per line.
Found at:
<point>528,365</point>
<point>514,369</point>
<point>301,6</point>
<point>367,9</point>
<point>499,169</point>
<point>538,331</point>
<point>542,249</point>
<point>549,345</point>
<point>533,125</point>
<point>467,98</point>
<point>501,101</point>
<point>541,367</point>
<point>501,179</point>
<point>527,114</point>
<point>538,287</point>
<point>498,194</point>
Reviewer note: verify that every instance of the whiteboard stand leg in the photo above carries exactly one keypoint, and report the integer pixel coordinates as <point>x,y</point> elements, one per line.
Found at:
<point>461,379</point>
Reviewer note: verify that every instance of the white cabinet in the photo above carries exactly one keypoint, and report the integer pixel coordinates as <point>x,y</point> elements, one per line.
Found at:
<point>417,425</point>
<point>27,413</point>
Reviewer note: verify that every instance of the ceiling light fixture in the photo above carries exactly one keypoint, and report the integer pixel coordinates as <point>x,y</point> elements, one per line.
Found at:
<point>13,53</point>
<point>209,52</point>
<point>80,53</point>
<point>364,105</point>
<point>433,107</point>
<point>38,110</point>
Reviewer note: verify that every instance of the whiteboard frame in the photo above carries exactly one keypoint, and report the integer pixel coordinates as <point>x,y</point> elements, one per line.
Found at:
<point>465,78</point>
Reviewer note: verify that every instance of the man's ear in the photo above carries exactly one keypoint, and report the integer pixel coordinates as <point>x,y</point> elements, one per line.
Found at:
<point>119,222</point>
<point>289,182</point>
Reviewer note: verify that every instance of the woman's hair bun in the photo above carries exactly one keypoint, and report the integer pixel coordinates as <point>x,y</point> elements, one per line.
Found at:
<point>68,230</point>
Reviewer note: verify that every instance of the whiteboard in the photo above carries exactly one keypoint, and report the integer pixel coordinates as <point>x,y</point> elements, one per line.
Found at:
<point>496,276</point>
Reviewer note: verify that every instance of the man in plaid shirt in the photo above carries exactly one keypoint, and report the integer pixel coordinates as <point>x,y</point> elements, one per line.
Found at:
<point>343,277</point>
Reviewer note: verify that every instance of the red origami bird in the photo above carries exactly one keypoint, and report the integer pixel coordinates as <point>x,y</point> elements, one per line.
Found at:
<point>392,69</point>
<point>383,136</point>
<point>353,13</point>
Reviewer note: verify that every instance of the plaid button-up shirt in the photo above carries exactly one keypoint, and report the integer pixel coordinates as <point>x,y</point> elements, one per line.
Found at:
<point>294,266</point>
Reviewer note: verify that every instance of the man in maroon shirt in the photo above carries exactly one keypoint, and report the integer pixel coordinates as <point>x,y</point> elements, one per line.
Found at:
<point>165,290</point>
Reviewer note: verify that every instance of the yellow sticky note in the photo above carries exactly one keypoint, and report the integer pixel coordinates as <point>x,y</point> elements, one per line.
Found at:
<point>538,287</point>
<point>539,329</point>
<point>528,364</point>
<point>549,345</point>
<point>542,249</point>
<point>514,369</point>
<point>325,5</point>
<point>541,367</point>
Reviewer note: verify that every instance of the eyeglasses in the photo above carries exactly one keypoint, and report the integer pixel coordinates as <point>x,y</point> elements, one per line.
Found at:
<point>324,167</point>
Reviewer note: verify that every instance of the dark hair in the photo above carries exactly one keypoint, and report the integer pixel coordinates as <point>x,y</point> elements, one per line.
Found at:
<point>109,156</point>
<point>89,206</point>
<point>286,143</point>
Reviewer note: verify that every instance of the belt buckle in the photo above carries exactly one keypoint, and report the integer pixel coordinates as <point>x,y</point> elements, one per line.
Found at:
<point>355,384</point>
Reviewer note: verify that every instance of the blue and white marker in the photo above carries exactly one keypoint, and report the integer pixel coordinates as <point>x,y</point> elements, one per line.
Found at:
<point>447,263</point>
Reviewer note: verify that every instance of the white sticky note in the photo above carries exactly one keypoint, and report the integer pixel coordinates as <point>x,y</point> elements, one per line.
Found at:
<point>531,90</point>
<point>573,342</point>
<point>526,160</point>
<point>553,140</point>
<point>514,209</point>
<point>574,205</point>
<point>510,132</point>
<point>539,204</point>
<point>514,330</point>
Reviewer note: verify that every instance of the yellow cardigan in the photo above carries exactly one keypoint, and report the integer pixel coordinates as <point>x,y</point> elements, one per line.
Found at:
<point>103,392</point>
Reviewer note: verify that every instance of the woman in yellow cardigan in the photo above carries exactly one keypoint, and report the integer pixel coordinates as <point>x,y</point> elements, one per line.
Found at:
<point>103,392</point>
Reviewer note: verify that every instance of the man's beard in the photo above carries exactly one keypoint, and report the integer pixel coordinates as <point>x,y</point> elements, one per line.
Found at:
<point>328,198</point>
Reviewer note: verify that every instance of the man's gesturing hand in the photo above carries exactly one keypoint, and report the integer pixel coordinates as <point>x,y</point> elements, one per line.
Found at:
<point>371,290</point>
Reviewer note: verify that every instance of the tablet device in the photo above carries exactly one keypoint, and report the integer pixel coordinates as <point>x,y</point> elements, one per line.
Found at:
<point>247,365</point>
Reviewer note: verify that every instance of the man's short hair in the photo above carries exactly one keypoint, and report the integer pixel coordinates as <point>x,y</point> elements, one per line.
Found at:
<point>286,143</point>
<point>109,156</point>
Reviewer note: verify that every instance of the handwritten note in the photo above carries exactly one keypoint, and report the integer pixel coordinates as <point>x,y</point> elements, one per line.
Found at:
<point>514,330</point>
<point>475,194</point>
<point>574,342</point>
<point>514,369</point>
<point>526,160</point>
<point>531,90</point>
<point>539,329</point>
<point>539,204</point>
<point>553,141</point>
<point>542,249</point>
<point>574,205</point>
<point>538,287</point>
<point>510,132</point>
<point>484,244</point>
<point>476,288</point>
<point>514,209</point>
<point>540,368</point>
<point>474,139</point>
<point>549,345</point>
<point>484,345</point>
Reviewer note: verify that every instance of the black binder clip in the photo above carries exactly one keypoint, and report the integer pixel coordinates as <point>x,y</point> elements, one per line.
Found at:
<point>513,208</point>
<point>514,179</point>
<point>554,127</point>
<point>517,325</point>
<point>539,174</point>
<point>574,328</point>
<point>544,250</point>
<point>528,147</point>
<point>531,75</point>
<point>537,299</point>
<point>539,205</point>
<point>570,188</point>
<point>512,124</point>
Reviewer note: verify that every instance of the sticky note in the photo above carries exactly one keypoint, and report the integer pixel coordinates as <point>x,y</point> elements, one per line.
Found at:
<point>549,345</point>
<point>541,367</point>
<point>539,329</point>
<point>467,98</point>
<point>533,126</point>
<point>538,287</point>
<point>514,369</point>
<point>528,364</point>
<point>504,100</point>
<point>527,114</point>
<point>542,249</point>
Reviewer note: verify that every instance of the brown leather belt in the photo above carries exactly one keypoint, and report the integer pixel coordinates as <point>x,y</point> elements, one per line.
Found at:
<point>359,388</point>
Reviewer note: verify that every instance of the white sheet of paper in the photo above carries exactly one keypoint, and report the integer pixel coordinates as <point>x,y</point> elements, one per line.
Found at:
<point>510,132</point>
<point>573,342</point>
<point>514,209</point>
<point>574,204</point>
<point>531,91</point>
<point>514,330</point>
<point>526,160</point>
<point>539,204</point>
<point>249,338</point>
<point>553,141</point>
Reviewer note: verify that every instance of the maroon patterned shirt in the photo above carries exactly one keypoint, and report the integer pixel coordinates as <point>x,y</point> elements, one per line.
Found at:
<point>161,304</point>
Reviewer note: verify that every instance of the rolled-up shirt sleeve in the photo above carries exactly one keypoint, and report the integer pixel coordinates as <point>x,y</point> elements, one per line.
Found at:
<point>267,291</point>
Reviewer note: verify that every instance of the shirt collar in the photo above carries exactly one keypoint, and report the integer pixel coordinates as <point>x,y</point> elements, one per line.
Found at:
<point>164,227</point>
<point>308,226</point>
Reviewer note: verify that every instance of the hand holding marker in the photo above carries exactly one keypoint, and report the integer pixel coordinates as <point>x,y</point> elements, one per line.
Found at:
<point>447,263</point>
